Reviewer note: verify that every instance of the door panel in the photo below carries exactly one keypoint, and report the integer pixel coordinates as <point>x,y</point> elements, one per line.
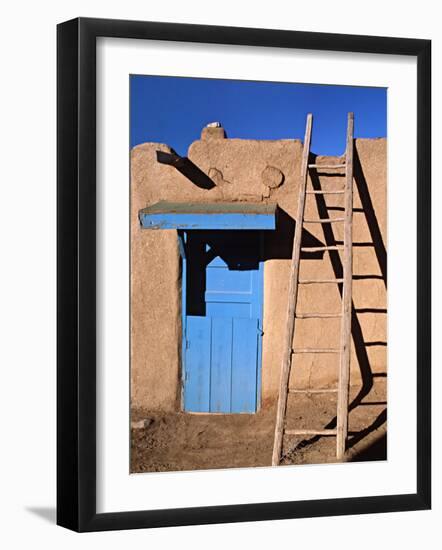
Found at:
<point>222,309</point>
<point>221,364</point>
<point>197,375</point>
<point>244,362</point>
<point>220,278</point>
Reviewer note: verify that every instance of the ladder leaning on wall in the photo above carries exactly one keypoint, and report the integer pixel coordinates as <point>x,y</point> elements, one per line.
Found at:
<point>289,354</point>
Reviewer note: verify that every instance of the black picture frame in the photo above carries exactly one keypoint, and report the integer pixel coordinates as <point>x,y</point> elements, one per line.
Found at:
<point>76,274</point>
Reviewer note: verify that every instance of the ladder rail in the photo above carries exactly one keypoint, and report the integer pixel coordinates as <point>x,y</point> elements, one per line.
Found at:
<point>293,296</point>
<point>344,364</point>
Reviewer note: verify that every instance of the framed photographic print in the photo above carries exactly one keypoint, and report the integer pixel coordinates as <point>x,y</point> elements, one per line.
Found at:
<point>229,200</point>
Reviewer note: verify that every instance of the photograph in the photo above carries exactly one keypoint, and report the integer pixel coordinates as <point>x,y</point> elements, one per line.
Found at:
<point>258,273</point>
<point>199,346</point>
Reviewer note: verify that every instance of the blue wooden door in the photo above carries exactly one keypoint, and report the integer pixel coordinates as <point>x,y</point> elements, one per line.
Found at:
<point>222,321</point>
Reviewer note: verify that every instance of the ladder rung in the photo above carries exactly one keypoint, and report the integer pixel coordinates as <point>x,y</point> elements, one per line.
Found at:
<point>325,220</point>
<point>311,432</point>
<point>324,390</point>
<point>320,248</point>
<point>326,166</point>
<point>318,315</point>
<point>325,192</point>
<point>316,350</point>
<point>312,281</point>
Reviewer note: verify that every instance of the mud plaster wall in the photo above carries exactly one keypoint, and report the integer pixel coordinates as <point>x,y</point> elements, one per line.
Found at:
<point>237,166</point>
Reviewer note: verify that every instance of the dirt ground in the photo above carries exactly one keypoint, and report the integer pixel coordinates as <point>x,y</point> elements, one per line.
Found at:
<point>182,441</point>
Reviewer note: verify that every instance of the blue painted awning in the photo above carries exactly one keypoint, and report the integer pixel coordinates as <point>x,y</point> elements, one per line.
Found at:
<point>215,215</point>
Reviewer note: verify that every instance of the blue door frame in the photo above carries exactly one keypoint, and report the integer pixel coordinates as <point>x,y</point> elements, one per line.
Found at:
<point>218,322</point>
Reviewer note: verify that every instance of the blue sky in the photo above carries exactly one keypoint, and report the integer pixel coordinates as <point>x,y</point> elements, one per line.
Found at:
<point>173,110</point>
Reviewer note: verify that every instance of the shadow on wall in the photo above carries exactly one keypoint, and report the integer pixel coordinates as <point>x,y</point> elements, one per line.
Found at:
<point>278,244</point>
<point>187,168</point>
<point>381,254</point>
<point>240,251</point>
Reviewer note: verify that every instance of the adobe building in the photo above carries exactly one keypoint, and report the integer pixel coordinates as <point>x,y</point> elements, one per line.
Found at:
<point>211,243</point>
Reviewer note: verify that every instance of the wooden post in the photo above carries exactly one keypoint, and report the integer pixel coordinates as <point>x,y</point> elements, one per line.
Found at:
<point>344,366</point>
<point>292,298</point>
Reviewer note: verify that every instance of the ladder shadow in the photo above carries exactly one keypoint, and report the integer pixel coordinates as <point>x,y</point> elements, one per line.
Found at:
<point>370,215</point>
<point>376,450</point>
<point>360,345</point>
<point>356,437</point>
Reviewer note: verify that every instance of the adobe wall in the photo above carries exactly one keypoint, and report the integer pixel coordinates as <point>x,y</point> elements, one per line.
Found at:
<point>239,170</point>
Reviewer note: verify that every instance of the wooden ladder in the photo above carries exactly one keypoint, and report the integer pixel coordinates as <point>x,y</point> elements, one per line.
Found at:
<point>289,353</point>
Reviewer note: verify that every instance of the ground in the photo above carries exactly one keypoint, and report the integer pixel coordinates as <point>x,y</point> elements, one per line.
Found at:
<point>179,441</point>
